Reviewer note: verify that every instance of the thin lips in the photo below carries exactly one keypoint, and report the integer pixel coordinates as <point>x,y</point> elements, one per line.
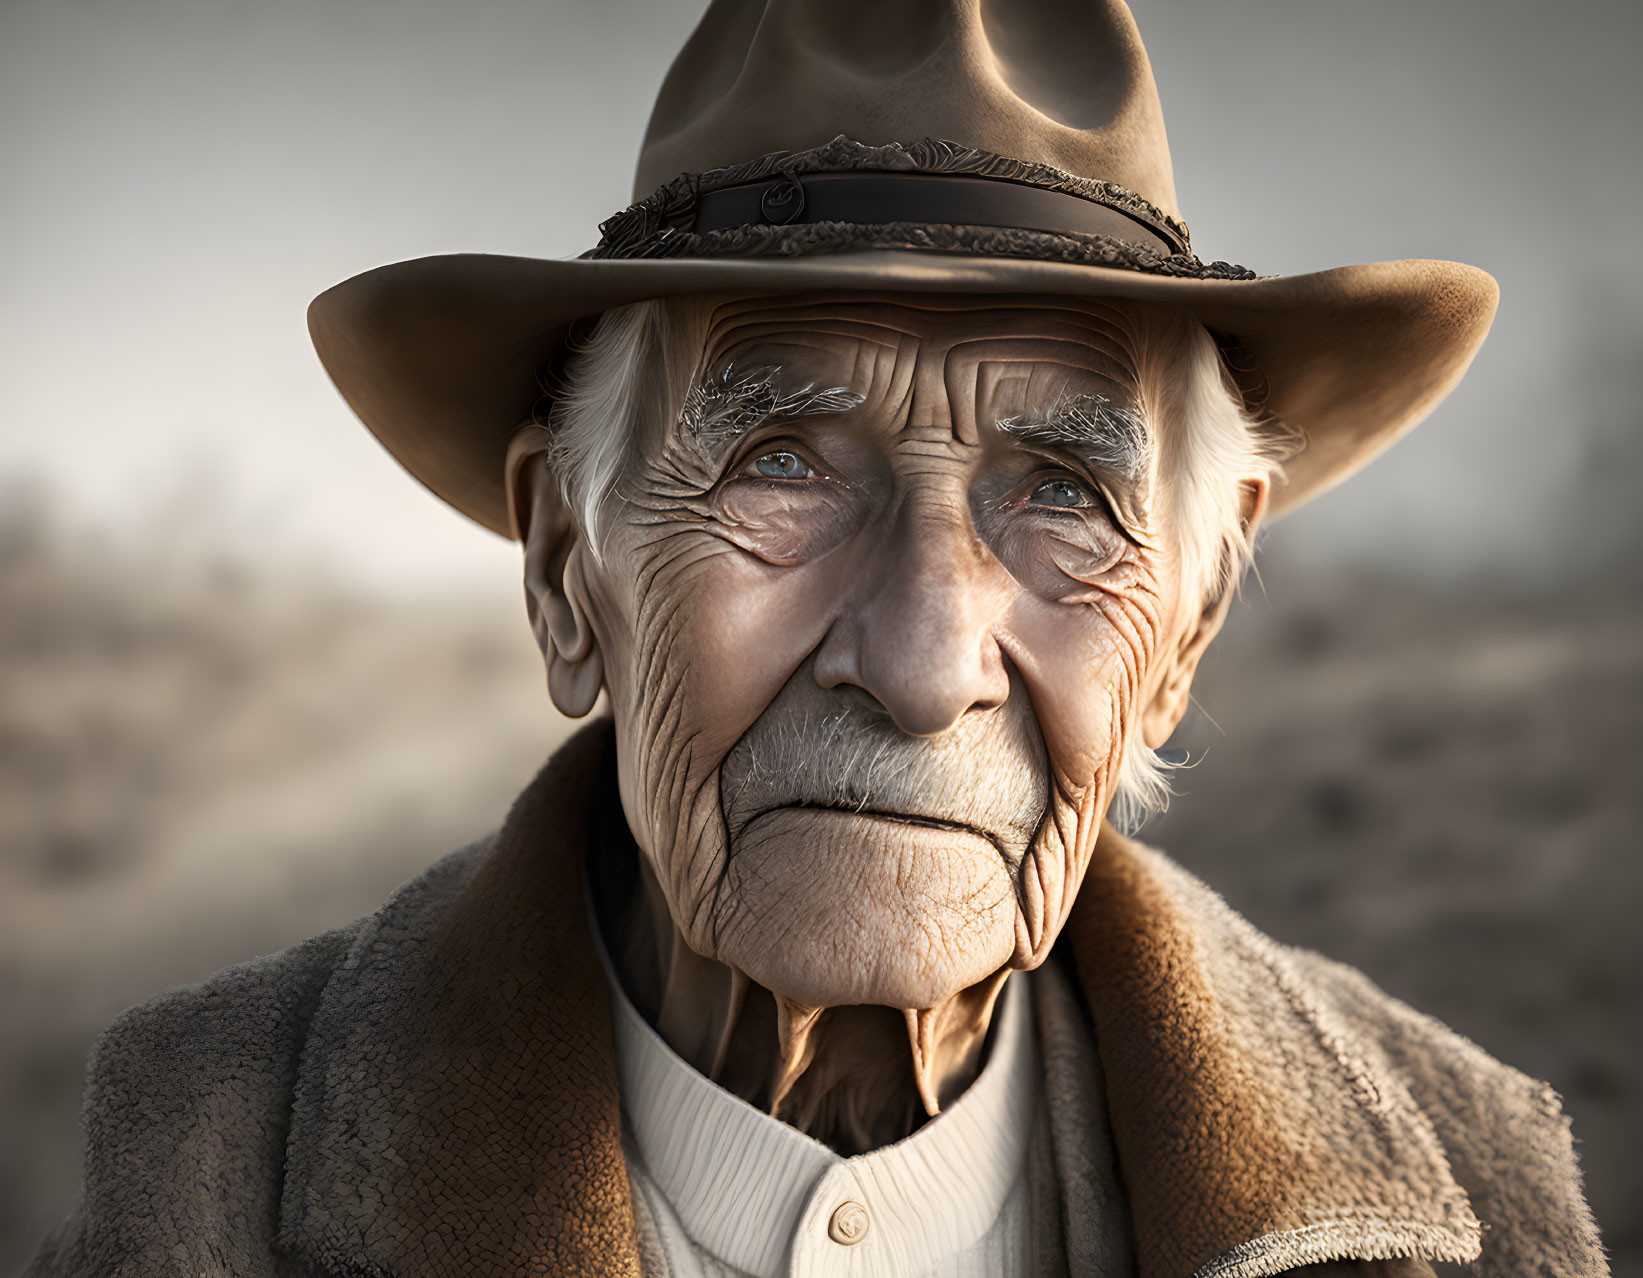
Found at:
<point>903,818</point>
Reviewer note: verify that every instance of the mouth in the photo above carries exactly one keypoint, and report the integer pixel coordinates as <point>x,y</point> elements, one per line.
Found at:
<point>917,820</point>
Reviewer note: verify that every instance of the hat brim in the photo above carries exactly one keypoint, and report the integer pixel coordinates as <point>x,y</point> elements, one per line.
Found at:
<point>439,356</point>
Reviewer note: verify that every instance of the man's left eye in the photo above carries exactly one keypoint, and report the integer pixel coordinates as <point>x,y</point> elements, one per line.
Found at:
<point>784,465</point>
<point>1065,493</point>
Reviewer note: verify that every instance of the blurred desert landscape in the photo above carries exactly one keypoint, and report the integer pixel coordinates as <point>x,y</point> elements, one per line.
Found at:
<point>201,761</point>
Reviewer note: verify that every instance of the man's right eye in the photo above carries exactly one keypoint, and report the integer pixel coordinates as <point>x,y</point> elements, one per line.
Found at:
<point>782,464</point>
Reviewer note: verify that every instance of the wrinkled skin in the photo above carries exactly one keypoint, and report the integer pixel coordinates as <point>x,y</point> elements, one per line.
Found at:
<point>872,673</point>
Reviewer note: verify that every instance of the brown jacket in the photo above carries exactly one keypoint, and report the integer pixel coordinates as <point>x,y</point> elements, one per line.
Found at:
<point>431,1090</point>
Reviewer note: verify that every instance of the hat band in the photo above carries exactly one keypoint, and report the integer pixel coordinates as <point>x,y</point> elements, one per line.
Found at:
<point>928,198</point>
<point>932,196</point>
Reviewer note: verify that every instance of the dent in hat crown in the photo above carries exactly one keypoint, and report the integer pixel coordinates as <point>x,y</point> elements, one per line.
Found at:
<point>1065,83</point>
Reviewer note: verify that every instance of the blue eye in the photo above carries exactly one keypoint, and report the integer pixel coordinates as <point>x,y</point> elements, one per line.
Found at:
<point>1065,493</point>
<point>784,465</point>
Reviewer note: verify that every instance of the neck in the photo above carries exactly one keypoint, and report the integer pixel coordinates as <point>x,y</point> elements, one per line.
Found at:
<point>855,1078</point>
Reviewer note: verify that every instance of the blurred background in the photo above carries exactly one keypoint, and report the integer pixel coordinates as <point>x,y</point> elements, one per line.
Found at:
<point>251,677</point>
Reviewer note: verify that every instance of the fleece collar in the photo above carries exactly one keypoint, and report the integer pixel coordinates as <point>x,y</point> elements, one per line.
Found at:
<point>457,1105</point>
<point>1257,1130</point>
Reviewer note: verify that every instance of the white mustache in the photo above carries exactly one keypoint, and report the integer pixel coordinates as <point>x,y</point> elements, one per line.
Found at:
<point>821,748</point>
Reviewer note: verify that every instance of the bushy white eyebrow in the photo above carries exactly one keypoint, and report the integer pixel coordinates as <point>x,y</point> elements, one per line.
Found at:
<point>737,400</point>
<point>1114,439</point>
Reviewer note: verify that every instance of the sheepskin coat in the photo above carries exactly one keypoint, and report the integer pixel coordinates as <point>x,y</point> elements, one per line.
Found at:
<point>432,1091</point>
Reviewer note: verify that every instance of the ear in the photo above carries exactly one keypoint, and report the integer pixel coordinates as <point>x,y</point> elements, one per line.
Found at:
<point>556,591</point>
<point>1171,693</point>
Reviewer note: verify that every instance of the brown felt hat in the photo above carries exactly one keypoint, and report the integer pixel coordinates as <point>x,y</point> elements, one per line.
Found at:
<point>934,146</point>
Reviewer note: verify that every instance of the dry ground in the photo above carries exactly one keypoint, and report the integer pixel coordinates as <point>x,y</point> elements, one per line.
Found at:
<point>200,765</point>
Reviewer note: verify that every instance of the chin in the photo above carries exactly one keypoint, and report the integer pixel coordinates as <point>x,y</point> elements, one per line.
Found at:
<point>831,909</point>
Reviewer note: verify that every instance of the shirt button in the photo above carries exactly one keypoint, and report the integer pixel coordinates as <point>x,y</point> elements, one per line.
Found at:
<point>848,1224</point>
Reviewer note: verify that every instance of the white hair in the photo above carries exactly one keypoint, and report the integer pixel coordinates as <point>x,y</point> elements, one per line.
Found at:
<point>1212,447</point>
<point>627,380</point>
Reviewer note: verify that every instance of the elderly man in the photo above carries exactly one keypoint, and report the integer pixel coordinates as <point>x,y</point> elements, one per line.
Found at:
<point>890,491</point>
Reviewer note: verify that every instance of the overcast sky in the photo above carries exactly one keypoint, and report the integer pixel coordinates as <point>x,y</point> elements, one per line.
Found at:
<point>179,177</point>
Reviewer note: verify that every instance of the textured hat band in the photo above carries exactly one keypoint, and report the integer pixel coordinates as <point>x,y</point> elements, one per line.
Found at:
<point>929,198</point>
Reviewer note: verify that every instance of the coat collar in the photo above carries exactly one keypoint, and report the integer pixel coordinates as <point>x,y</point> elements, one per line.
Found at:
<point>1258,1127</point>
<point>457,1107</point>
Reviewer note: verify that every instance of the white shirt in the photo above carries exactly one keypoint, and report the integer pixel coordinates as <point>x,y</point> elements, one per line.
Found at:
<point>723,1190</point>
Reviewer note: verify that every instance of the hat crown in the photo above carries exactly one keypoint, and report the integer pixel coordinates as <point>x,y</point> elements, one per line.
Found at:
<point>1059,82</point>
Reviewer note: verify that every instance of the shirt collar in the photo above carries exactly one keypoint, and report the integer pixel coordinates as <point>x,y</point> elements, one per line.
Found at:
<point>742,1182</point>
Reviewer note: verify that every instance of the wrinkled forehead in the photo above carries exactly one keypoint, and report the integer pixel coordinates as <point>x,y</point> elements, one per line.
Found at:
<point>984,356</point>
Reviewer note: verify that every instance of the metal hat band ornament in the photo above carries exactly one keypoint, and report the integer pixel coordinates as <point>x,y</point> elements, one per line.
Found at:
<point>933,196</point>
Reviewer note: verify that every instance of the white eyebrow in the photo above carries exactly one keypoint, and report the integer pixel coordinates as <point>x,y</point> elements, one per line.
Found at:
<point>1114,439</point>
<point>737,400</point>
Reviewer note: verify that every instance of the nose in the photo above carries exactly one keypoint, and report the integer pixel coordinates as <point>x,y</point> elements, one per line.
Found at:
<point>918,632</point>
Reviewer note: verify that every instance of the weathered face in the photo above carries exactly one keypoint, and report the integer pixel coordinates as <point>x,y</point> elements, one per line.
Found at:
<point>876,618</point>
